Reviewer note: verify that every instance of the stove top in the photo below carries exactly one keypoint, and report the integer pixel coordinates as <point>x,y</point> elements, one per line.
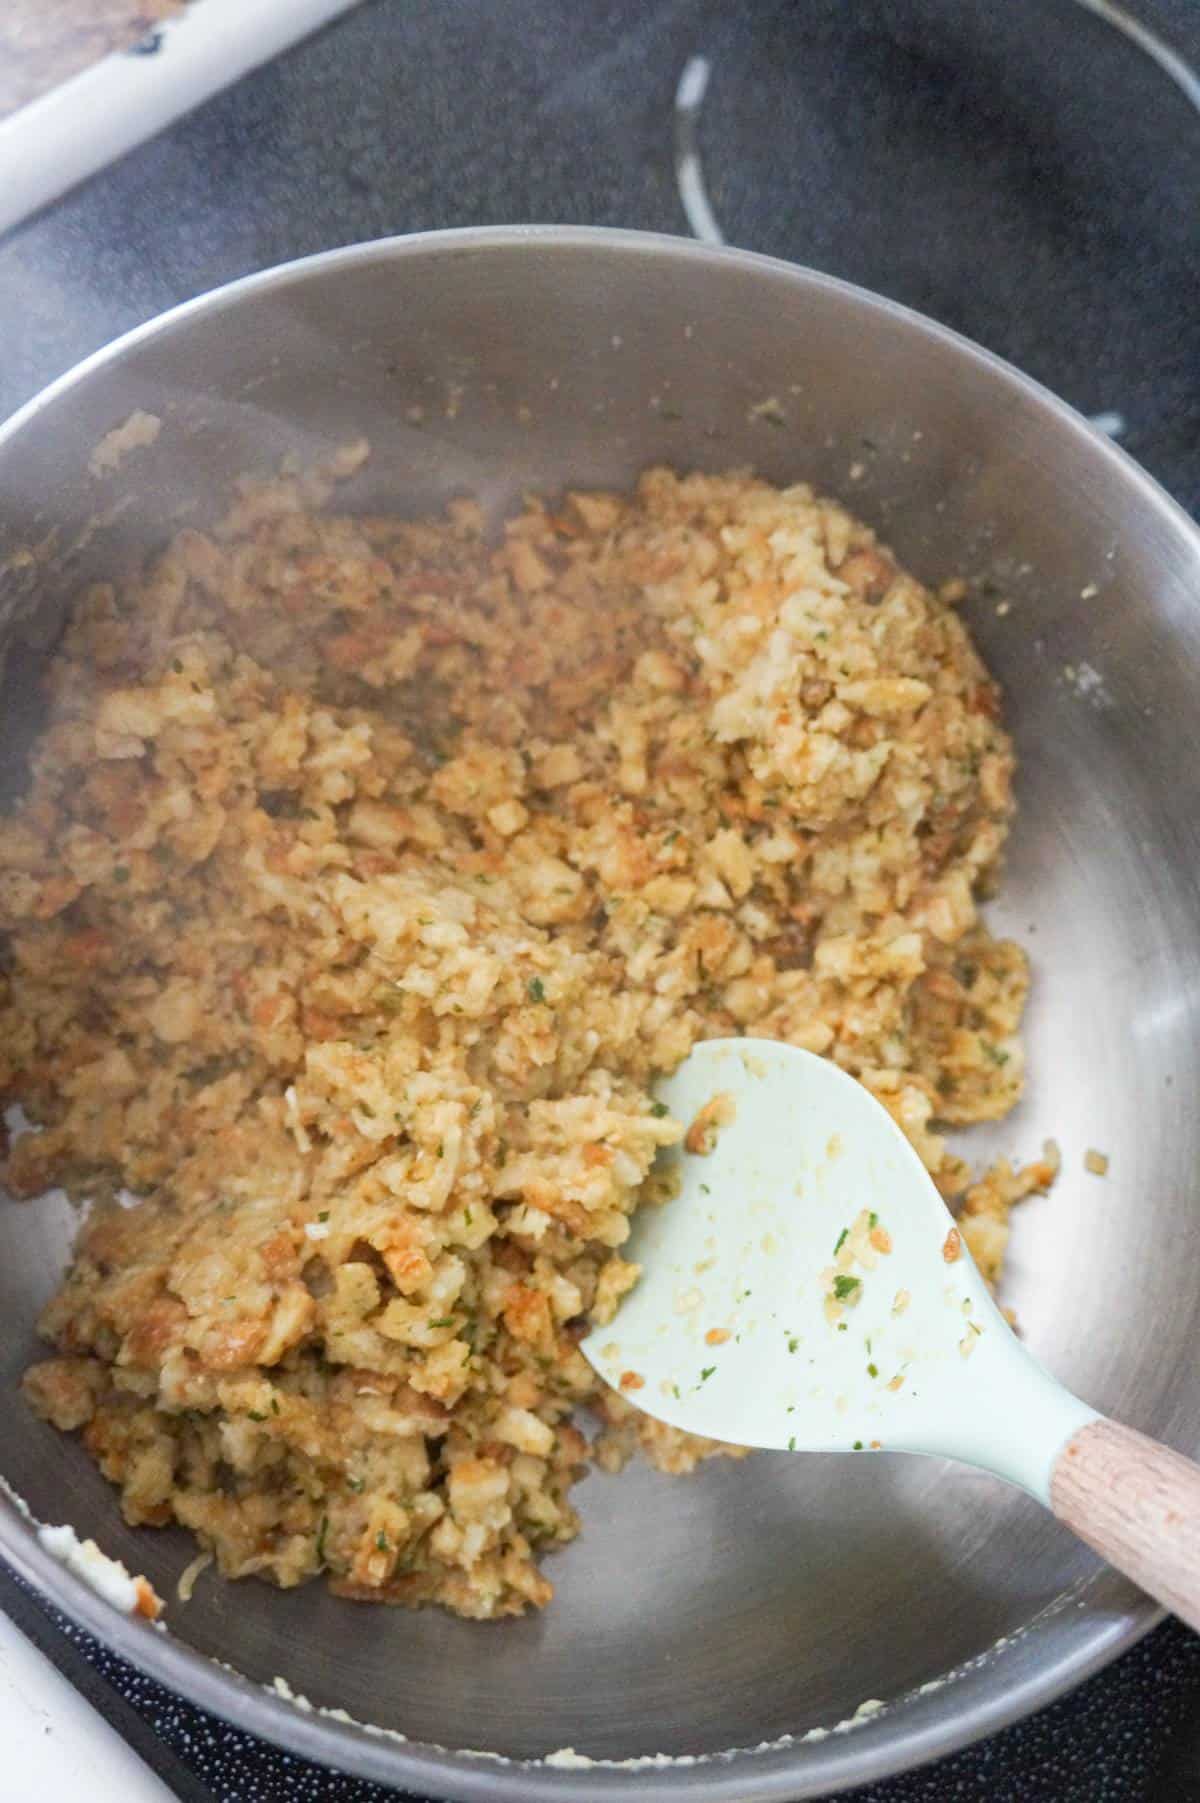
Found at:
<point>1020,172</point>
<point>1009,170</point>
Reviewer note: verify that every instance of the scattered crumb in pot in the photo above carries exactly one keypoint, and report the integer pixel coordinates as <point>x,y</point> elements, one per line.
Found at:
<point>1095,1162</point>
<point>106,1576</point>
<point>137,433</point>
<point>370,877</point>
<point>189,1575</point>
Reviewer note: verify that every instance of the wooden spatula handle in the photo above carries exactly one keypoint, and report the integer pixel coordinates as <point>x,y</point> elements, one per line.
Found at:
<point>1138,1505</point>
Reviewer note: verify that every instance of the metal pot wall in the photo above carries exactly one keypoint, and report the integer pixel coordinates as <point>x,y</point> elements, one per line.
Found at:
<point>726,1616</point>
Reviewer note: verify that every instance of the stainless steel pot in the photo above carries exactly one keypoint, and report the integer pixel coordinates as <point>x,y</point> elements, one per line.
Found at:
<point>706,1617</point>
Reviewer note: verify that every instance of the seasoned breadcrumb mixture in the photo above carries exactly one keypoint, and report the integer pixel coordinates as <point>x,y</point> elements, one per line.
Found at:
<point>369,876</point>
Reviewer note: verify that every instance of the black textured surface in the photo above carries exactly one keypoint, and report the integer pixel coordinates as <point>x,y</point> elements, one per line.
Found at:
<point>1019,172</point>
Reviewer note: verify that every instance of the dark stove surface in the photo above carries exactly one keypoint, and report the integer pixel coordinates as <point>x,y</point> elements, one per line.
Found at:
<point>1018,171</point>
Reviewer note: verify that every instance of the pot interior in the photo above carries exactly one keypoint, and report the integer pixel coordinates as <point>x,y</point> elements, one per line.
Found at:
<point>756,1600</point>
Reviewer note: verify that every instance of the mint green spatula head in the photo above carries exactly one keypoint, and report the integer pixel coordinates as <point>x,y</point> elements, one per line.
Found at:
<point>806,1289</point>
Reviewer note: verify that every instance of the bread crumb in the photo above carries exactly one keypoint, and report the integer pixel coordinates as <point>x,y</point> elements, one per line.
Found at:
<point>717,1112</point>
<point>135,434</point>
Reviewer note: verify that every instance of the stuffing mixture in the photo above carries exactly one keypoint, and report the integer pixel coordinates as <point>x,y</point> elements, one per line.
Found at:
<point>370,874</point>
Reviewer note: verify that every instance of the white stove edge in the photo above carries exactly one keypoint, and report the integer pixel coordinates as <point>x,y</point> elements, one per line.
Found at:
<point>53,1738</point>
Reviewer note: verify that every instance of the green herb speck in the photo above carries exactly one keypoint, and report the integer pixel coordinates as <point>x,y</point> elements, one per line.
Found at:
<point>841,1241</point>
<point>659,1110</point>
<point>381,1542</point>
<point>845,1287</point>
<point>707,1373</point>
<point>536,989</point>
